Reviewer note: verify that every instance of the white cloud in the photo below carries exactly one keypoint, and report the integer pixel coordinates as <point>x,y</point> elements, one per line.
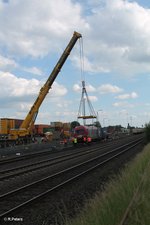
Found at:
<point>93,98</point>
<point>123,104</point>
<point>89,65</point>
<point>78,88</point>
<point>116,33</point>
<point>118,38</point>
<point>57,90</point>
<point>118,104</point>
<point>21,89</point>
<point>90,88</point>
<point>36,28</point>
<point>108,88</point>
<point>134,95</point>
<point>17,87</point>
<point>66,113</point>
<point>6,63</point>
<point>127,96</point>
<point>24,107</point>
<point>44,116</point>
<point>33,70</point>
<point>60,105</point>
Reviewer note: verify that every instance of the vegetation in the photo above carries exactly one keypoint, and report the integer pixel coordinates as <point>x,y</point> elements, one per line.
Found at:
<point>147,132</point>
<point>97,124</point>
<point>126,199</point>
<point>74,124</point>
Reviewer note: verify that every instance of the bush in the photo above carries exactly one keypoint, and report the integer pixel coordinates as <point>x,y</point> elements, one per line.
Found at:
<point>147,132</point>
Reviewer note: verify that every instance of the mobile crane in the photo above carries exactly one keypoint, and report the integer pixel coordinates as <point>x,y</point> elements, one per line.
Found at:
<point>25,130</point>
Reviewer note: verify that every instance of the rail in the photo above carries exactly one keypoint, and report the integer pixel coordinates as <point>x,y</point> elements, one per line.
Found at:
<point>61,178</point>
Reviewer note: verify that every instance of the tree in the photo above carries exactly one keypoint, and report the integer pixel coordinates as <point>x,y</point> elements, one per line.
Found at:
<point>74,124</point>
<point>97,124</point>
<point>147,132</point>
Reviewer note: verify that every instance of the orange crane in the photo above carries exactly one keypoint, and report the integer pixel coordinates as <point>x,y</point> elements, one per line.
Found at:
<point>25,130</point>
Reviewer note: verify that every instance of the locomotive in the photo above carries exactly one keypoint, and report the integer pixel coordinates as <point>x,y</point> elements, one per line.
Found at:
<point>82,133</point>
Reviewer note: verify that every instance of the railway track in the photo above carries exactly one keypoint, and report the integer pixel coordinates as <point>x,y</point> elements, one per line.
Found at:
<point>33,155</point>
<point>30,167</point>
<point>23,157</point>
<point>27,194</point>
<point>9,173</point>
<point>20,170</point>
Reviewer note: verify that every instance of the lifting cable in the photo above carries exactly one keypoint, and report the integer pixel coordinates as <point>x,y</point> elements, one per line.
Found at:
<point>81,59</point>
<point>82,110</point>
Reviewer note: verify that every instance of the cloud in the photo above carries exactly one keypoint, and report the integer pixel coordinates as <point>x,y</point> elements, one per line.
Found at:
<point>118,38</point>
<point>78,88</point>
<point>24,90</point>
<point>90,88</point>
<point>123,104</point>
<point>17,87</point>
<point>7,63</point>
<point>127,96</point>
<point>33,70</point>
<point>108,88</point>
<point>116,33</point>
<point>93,98</point>
<point>89,65</point>
<point>37,28</point>
<point>63,104</point>
<point>68,113</point>
<point>57,90</point>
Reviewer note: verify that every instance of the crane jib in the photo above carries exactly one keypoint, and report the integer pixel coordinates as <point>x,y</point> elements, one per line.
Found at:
<point>27,125</point>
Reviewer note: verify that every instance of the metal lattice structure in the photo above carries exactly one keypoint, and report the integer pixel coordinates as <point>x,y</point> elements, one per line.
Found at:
<point>85,106</point>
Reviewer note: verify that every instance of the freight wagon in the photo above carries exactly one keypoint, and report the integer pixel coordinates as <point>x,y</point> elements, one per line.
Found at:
<point>6,124</point>
<point>137,130</point>
<point>40,129</point>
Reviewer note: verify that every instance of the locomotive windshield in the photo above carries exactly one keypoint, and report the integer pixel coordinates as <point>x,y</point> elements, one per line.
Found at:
<point>80,132</point>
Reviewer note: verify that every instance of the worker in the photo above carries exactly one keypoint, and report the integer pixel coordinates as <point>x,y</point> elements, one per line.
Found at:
<point>75,141</point>
<point>89,140</point>
<point>84,139</point>
<point>65,142</point>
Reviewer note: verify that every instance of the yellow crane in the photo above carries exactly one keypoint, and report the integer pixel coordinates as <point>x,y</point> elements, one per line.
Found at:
<point>26,127</point>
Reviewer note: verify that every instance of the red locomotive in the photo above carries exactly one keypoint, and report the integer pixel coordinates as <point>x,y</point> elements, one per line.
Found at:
<point>87,133</point>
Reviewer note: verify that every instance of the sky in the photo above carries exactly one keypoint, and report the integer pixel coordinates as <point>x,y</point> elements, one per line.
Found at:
<point>115,59</point>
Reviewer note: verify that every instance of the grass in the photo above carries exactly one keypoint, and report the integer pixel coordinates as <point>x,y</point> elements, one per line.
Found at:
<point>109,207</point>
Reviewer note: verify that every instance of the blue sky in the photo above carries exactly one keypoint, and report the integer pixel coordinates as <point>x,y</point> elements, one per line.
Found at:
<point>116,47</point>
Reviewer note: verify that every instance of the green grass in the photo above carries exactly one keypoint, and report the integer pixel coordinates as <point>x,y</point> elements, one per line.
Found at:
<point>108,208</point>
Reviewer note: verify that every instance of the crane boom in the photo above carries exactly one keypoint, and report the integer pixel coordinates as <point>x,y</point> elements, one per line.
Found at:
<point>27,124</point>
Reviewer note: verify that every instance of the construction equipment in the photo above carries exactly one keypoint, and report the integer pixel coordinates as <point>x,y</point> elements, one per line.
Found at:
<point>25,130</point>
<point>82,111</point>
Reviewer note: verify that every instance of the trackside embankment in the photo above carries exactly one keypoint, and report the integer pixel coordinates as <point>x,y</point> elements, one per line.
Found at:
<point>126,199</point>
